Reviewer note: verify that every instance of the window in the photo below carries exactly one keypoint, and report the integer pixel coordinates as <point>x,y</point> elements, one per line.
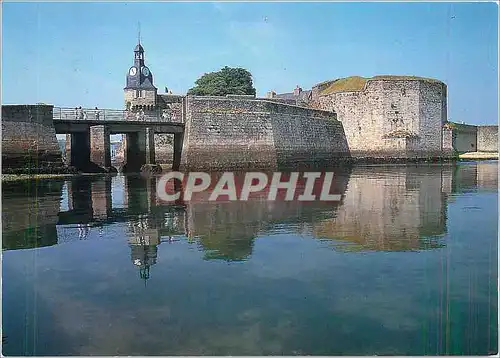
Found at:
<point>140,93</point>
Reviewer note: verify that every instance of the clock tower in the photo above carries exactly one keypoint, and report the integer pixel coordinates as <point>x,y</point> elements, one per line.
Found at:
<point>140,93</point>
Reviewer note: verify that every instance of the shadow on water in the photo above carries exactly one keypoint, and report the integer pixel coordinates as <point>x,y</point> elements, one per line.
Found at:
<point>117,225</point>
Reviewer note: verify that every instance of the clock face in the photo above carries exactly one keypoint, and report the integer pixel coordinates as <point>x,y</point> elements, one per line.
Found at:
<point>145,71</point>
<point>132,71</point>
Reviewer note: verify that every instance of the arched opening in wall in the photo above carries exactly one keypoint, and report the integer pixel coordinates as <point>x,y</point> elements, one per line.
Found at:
<point>63,140</point>
<point>117,147</point>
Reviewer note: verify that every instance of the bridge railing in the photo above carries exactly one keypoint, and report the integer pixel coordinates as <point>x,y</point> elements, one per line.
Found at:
<point>105,115</point>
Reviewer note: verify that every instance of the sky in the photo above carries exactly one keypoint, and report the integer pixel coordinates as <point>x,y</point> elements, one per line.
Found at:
<point>78,54</point>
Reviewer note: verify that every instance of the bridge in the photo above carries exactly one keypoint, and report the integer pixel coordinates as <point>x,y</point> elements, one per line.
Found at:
<point>87,135</point>
<point>105,116</point>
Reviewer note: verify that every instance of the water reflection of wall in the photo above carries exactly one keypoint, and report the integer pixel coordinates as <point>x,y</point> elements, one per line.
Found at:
<point>227,230</point>
<point>393,208</point>
<point>383,208</point>
<point>487,176</point>
<point>29,213</point>
<point>475,176</point>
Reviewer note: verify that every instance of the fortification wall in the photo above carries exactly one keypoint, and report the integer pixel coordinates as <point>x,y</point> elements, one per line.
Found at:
<point>464,137</point>
<point>470,138</point>
<point>487,138</point>
<point>164,148</point>
<point>225,133</point>
<point>171,109</point>
<point>432,116</point>
<point>448,141</point>
<point>389,118</point>
<point>29,137</point>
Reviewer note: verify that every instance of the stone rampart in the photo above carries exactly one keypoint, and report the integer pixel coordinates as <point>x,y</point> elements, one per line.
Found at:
<point>471,138</point>
<point>28,138</point>
<point>164,148</point>
<point>388,117</point>
<point>171,109</point>
<point>487,138</point>
<point>227,133</point>
<point>464,137</point>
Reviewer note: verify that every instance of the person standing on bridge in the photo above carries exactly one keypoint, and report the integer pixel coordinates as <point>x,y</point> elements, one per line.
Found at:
<point>97,114</point>
<point>80,112</point>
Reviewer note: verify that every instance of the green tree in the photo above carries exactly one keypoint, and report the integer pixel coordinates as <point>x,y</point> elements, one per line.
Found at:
<point>226,81</point>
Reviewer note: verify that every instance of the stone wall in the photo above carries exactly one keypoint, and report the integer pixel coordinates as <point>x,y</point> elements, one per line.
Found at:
<point>170,106</point>
<point>147,98</point>
<point>164,148</point>
<point>448,141</point>
<point>171,109</point>
<point>226,133</point>
<point>487,138</point>
<point>282,100</point>
<point>432,116</point>
<point>470,138</point>
<point>464,137</point>
<point>100,146</point>
<point>389,118</point>
<point>29,138</point>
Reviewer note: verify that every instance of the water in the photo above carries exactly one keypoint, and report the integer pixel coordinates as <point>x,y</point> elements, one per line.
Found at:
<point>406,263</point>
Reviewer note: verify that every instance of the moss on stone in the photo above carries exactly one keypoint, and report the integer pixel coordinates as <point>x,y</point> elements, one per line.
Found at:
<point>461,127</point>
<point>357,83</point>
<point>404,78</point>
<point>353,83</point>
<point>449,125</point>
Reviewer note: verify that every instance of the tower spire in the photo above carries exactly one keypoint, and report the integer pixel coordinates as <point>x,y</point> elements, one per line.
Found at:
<point>139,32</point>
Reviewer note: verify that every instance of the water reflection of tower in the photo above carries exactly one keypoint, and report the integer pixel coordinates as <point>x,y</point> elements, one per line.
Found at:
<point>143,244</point>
